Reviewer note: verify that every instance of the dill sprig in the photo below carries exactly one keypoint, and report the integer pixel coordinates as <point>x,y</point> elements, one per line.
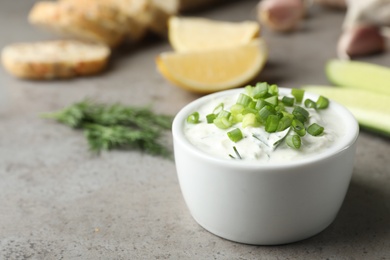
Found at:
<point>116,126</point>
<point>237,154</point>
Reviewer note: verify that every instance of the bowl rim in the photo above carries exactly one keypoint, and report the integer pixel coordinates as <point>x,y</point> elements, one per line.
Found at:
<point>351,124</point>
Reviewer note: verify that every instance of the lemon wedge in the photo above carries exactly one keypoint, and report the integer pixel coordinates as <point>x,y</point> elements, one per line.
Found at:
<point>193,33</point>
<point>213,70</point>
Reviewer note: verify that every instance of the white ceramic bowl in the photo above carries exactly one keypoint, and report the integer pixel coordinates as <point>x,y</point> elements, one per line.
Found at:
<point>264,204</point>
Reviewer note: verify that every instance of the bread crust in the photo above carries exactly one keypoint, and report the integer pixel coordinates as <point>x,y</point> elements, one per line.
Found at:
<point>54,59</point>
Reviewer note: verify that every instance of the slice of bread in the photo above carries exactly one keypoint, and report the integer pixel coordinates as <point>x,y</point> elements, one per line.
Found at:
<point>54,59</point>
<point>81,22</point>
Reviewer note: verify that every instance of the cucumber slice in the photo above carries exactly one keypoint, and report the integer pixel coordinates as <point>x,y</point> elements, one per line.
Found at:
<point>359,75</point>
<point>371,110</point>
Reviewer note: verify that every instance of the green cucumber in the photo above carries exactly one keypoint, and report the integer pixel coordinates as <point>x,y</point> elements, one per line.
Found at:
<point>371,110</point>
<point>359,75</point>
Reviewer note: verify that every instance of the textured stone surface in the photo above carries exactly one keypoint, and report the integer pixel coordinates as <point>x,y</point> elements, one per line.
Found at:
<point>57,201</point>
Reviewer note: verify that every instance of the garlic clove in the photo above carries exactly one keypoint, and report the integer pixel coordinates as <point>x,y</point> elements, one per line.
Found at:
<point>361,40</point>
<point>281,15</point>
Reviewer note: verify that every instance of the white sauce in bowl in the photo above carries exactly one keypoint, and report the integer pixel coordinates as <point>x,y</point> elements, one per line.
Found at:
<point>214,141</point>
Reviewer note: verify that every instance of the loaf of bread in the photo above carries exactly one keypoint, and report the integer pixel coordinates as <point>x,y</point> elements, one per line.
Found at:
<point>112,14</point>
<point>178,6</point>
<point>144,12</point>
<point>92,22</point>
<point>147,13</point>
<point>54,59</point>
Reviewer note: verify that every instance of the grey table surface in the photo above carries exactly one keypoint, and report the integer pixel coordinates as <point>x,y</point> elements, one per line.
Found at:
<point>57,201</point>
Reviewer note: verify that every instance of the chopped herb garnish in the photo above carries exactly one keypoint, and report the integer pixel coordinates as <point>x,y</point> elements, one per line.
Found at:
<point>273,90</point>
<point>250,120</point>
<point>260,90</point>
<point>284,123</point>
<point>322,102</point>
<point>301,114</point>
<point>310,104</point>
<point>288,101</point>
<point>315,129</point>
<point>210,118</point>
<point>243,100</point>
<point>298,127</point>
<point>286,118</point>
<point>273,100</point>
<point>235,135</point>
<point>223,120</point>
<point>298,94</point>
<point>272,123</point>
<point>294,141</point>
<point>218,108</point>
<point>265,112</point>
<point>237,154</point>
<point>237,109</point>
<point>193,118</point>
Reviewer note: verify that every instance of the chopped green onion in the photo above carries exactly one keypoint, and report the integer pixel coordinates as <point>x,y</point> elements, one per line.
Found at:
<point>273,90</point>
<point>250,120</point>
<point>273,100</point>
<point>243,100</point>
<point>193,118</point>
<point>322,102</point>
<point>298,94</point>
<point>260,90</point>
<point>235,135</point>
<point>272,123</point>
<point>252,104</point>
<point>210,118</point>
<point>284,123</point>
<point>315,129</point>
<point>224,114</point>
<point>279,114</point>
<point>218,108</point>
<point>301,114</point>
<point>248,110</point>
<point>265,112</point>
<point>280,107</point>
<point>249,90</point>
<point>294,141</point>
<point>236,109</point>
<point>285,113</point>
<point>223,120</point>
<point>298,127</point>
<point>288,101</point>
<point>237,118</point>
<point>310,104</point>
<point>260,103</point>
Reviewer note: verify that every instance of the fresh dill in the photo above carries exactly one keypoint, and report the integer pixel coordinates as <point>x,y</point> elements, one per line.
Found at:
<point>116,126</point>
<point>237,154</point>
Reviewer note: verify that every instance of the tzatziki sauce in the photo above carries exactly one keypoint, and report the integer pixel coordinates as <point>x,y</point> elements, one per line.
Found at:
<point>214,141</point>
